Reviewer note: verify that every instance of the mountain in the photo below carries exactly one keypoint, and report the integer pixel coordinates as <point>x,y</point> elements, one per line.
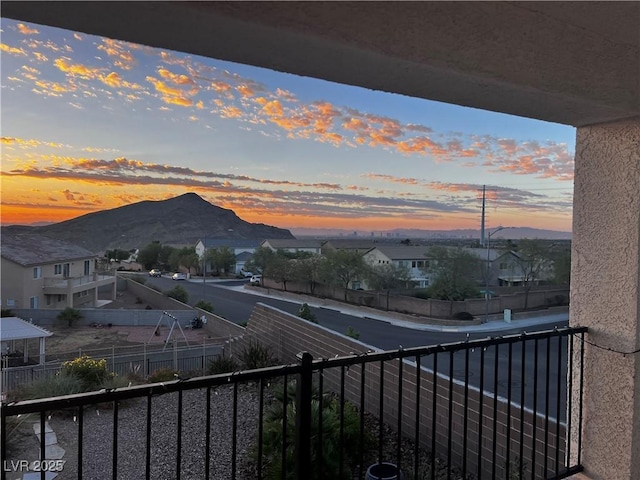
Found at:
<point>178,221</point>
<point>514,233</point>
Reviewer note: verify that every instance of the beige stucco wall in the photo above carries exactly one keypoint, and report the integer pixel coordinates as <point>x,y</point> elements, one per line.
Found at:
<point>605,277</point>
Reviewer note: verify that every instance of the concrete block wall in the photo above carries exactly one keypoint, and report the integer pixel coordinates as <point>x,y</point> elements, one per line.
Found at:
<point>288,335</point>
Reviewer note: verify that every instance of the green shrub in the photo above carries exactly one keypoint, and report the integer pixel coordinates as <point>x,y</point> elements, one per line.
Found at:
<point>306,313</point>
<point>163,375</point>
<point>91,373</point>
<point>60,384</point>
<point>222,365</point>
<point>351,332</point>
<point>331,448</point>
<point>117,381</point>
<point>69,315</point>
<point>6,312</point>
<point>179,293</point>
<point>256,355</point>
<point>203,305</point>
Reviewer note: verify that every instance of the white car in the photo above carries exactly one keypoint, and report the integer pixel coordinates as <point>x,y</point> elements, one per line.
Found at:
<point>255,279</point>
<point>178,276</point>
<point>246,274</point>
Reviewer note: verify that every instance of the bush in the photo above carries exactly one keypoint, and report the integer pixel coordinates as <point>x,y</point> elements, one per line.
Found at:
<point>69,315</point>
<point>91,373</point>
<point>306,313</point>
<point>351,332</point>
<point>462,316</point>
<point>332,449</point>
<point>256,355</point>
<point>60,384</point>
<point>163,375</point>
<point>179,293</point>
<point>222,365</point>
<point>203,305</point>
<point>6,312</point>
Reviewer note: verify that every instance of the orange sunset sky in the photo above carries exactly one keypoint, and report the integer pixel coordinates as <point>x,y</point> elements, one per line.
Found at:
<point>90,123</point>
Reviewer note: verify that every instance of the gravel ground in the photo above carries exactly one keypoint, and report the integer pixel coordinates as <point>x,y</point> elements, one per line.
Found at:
<point>132,414</point>
<point>98,437</point>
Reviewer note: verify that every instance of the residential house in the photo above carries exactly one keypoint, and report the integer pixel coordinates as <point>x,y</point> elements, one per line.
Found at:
<point>413,258</point>
<point>293,245</point>
<point>241,248</point>
<point>512,270</point>
<point>348,244</point>
<point>42,272</point>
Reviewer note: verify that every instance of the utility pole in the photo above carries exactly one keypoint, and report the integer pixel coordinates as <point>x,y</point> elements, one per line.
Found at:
<point>482,221</point>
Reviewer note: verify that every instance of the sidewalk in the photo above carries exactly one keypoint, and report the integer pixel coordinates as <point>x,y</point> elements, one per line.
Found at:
<point>496,323</point>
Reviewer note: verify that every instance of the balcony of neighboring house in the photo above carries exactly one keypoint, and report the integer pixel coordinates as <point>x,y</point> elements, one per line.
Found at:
<point>75,286</point>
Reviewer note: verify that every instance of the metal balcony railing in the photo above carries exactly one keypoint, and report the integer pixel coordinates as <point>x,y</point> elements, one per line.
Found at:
<point>496,408</point>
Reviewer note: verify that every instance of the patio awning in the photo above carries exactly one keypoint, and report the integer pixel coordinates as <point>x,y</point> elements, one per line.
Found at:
<point>14,328</point>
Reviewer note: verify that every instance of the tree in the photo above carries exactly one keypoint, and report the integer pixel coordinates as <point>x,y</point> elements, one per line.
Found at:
<point>184,257</point>
<point>562,267</point>
<point>534,262</point>
<point>387,276</point>
<point>309,270</point>
<point>455,271</point>
<point>117,255</point>
<point>69,315</point>
<point>222,259</point>
<point>260,260</point>
<point>148,256</point>
<point>280,269</point>
<point>343,267</point>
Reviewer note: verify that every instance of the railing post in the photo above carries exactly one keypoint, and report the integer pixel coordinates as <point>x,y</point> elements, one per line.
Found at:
<point>303,418</point>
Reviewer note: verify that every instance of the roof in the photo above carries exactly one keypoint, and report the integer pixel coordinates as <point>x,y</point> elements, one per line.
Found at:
<point>14,328</point>
<point>243,256</point>
<point>230,242</point>
<point>403,252</point>
<point>28,249</point>
<point>292,243</point>
<point>348,243</point>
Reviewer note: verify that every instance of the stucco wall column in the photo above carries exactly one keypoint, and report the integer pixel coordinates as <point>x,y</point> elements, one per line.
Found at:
<point>605,279</point>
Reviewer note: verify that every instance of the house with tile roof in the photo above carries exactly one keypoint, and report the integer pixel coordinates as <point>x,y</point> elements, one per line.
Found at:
<point>42,272</point>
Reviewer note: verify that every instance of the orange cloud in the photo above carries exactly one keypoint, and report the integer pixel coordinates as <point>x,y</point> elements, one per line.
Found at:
<point>12,50</point>
<point>77,69</point>
<point>25,30</point>
<point>122,58</point>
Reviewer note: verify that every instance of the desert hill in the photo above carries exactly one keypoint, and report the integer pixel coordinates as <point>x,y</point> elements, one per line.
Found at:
<point>178,221</point>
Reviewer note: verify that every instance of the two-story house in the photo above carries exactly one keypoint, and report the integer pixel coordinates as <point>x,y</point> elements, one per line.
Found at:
<point>293,245</point>
<point>241,248</point>
<point>42,272</point>
<point>413,258</point>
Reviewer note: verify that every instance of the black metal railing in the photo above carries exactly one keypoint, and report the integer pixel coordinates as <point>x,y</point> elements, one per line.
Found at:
<point>496,408</point>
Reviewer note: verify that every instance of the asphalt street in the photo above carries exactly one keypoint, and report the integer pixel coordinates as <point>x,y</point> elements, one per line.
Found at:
<point>380,330</point>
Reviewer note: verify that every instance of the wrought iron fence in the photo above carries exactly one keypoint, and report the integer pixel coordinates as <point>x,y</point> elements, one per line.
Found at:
<point>478,409</point>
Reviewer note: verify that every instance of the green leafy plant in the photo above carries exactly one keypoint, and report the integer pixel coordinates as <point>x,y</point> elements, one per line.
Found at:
<point>60,384</point>
<point>329,456</point>
<point>6,312</point>
<point>221,364</point>
<point>179,293</point>
<point>351,332</point>
<point>163,375</point>
<point>69,315</point>
<point>256,355</point>
<point>91,373</point>
<point>203,305</point>
<point>306,313</point>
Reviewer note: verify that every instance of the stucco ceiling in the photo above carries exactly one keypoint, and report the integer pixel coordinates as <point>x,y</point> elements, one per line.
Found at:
<point>575,63</point>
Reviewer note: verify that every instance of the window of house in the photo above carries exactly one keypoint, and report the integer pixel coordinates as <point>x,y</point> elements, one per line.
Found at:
<point>48,299</point>
<point>11,302</point>
<point>504,266</point>
<point>66,269</point>
<point>57,269</point>
<point>86,267</point>
<point>37,272</point>
<point>60,298</point>
<point>33,302</point>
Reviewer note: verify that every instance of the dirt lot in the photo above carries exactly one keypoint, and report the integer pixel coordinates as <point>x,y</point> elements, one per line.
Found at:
<point>100,340</point>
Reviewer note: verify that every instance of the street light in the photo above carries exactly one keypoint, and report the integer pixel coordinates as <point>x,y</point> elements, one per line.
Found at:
<point>486,286</point>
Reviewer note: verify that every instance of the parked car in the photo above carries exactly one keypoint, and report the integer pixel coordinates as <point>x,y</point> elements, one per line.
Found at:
<point>178,276</point>
<point>255,279</point>
<point>155,273</point>
<point>246,274</point>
